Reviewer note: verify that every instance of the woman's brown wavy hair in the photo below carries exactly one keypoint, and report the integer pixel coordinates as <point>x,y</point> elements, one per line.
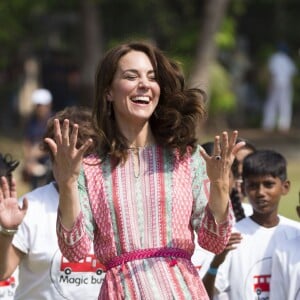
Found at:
<point>176,116</point>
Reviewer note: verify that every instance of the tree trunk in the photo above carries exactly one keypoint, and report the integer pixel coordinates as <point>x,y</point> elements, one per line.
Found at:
<point>214,12</point>
<point>92,47</point>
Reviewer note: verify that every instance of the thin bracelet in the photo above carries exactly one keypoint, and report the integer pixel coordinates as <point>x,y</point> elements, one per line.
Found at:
<point>212,271</point>
<point>8,232</point>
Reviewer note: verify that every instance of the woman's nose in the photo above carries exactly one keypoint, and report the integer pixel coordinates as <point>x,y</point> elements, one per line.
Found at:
<point>143,83</point>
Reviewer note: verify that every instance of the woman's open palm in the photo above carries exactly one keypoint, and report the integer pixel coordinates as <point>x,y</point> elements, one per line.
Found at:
<point>67,157</point>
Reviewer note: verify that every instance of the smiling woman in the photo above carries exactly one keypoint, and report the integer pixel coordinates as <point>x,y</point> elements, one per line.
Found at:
<point>145,193</point>
<point>134,94</point>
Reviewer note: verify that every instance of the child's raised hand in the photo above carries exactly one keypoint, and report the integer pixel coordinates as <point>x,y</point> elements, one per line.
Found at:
<point>11,215</point>
<point>234,240</point>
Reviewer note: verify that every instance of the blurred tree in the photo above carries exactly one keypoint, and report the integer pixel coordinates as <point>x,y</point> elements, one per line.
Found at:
<point>206,50</point>
<point>92,47</point>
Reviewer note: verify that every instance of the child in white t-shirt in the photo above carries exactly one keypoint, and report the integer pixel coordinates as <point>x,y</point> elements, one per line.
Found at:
<point>246,271</point>
<point>285,280</point>
<point>8,286</point>
<point>28,237</point>
<point>201,257</point>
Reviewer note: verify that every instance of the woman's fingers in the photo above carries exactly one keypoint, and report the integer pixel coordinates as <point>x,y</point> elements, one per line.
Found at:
<point>85,146</point>
<point>217,146</point>
<point>237,147</point>
<point>74,135</point>
<point>52,145</point>
<point>224,144</point>
<point>13,188</point>
<point>65,132</point>
<point>233,138</point>
<point>57,132</point>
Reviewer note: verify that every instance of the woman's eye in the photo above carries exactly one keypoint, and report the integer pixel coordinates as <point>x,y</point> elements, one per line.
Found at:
<point>151,76</point>
<point>130,77</point>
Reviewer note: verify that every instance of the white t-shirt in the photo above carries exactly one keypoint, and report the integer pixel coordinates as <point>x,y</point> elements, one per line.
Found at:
<point>246,271</point>
<point>285,280</point>
<point>43,272</point>
<point>248,209</point>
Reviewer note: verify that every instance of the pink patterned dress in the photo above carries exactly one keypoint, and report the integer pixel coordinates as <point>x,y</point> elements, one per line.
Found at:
<point>143,226</point>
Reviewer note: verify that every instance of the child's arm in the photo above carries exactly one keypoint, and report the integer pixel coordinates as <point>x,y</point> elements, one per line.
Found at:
<point>11,216</point>
<point>210,276</point>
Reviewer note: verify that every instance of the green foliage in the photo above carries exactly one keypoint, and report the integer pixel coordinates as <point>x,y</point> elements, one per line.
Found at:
<point>225,38</point>
<point>29,25</point>
<point>222,99</point>
<point>25,25</point>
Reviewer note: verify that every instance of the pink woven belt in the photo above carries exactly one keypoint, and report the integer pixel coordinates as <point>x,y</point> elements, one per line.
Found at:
<point>172,253</point>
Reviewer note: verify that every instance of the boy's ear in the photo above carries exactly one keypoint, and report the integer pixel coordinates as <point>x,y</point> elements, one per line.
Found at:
<point>286,187</point>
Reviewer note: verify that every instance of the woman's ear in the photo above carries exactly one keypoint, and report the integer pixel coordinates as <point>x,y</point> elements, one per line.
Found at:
<point>109,96</point>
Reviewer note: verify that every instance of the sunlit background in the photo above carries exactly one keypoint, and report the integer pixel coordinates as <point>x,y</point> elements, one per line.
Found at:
<point>224,47</point>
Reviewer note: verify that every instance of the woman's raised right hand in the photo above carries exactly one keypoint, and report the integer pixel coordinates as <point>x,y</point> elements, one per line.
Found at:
<point>67,157</point>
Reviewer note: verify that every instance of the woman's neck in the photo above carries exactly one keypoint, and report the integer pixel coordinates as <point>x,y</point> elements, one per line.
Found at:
<point>140,138</point>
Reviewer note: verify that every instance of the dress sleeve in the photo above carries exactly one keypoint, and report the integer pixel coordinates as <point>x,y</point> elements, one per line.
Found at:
<point>76,242</point>
<point>211,235</point>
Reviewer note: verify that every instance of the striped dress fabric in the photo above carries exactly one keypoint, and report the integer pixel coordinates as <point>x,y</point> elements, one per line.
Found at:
<point>162,207</point>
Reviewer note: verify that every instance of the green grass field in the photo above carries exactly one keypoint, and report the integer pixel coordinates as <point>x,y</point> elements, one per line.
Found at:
<point>289,202</point>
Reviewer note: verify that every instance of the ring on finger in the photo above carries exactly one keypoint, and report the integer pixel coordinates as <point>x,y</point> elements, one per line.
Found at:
<point>218,157</point>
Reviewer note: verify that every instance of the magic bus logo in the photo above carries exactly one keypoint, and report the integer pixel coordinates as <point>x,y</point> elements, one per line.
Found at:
<point>262,284</point>
<point>8,282</point>
<point>77,280</point>
<point>7,288</point>
<point>259,277</point>
<point>89,264</point>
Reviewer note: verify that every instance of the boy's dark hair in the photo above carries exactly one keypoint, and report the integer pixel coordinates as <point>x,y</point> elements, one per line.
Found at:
<point>265,163</point>
<point>7,166</point>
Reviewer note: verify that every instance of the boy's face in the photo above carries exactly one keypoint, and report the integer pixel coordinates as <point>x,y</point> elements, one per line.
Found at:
<point>264,192</point>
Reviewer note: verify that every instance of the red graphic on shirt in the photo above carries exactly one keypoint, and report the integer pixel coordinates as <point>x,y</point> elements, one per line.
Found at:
<point>89,264</point>
<point>261,283</point>
<point>8,282</point>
